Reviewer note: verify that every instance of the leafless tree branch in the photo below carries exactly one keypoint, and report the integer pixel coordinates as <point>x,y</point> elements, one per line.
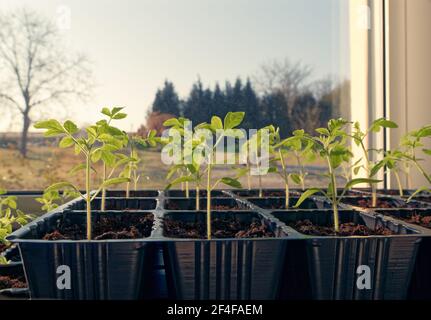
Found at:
<point>37,71</point>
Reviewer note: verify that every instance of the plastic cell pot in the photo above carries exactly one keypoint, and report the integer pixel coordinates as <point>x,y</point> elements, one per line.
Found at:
<point>117,204</point>
<point>192,193</point>
<point>273,193</point>
<point>105,269</point>
<point>133,194</point>
<point>280,203</point>
<point>325,268</point>
<point>14,270</point>
<point>219,204</point>
<point>420,287</point>
<point>383,202</point>
<point>223,269</point>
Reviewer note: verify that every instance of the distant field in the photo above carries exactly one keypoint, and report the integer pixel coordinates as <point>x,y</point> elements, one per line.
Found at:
<point>47,165</point>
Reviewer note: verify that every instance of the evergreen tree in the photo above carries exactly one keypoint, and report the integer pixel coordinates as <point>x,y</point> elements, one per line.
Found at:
<point>218,105</point>
<point>274,110</point>
<point>197,106</point>
<point>167,100</point>
<point>250,102</point>
<point>237,97</point>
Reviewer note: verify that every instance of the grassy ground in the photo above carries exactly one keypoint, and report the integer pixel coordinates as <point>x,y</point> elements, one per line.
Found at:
<point>47,165</point>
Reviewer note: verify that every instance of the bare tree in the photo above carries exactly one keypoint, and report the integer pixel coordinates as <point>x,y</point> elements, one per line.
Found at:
<point>290,79</point>
<point>37,72</point>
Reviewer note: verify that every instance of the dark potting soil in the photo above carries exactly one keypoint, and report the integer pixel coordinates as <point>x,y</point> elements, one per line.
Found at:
<point>279,194</point>
<point>389,192</point>
<point>219,207</point>
<point>221,229</point>
<point>126,226</point>
<point>346,230</point>
<point>424,221</point>
<point>381,203</point>
<point>11,283</point>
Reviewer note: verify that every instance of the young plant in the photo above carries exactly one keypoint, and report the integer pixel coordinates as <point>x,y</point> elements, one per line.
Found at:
<point>263,139</point>
<point>331,145</point>
<point>413,142</point>
<point>220,129</point>
<point>135,143</point>
<point>51,200</point>
<point>113,140</point>
<point>90,147</point>
<point>188,168</point>
<point>9,216</point>
<point>371,168</point>
<point>302,150</point>
<point>395,162</point>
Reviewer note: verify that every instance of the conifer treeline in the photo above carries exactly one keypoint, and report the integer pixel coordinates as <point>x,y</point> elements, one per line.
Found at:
<point>306,109</point>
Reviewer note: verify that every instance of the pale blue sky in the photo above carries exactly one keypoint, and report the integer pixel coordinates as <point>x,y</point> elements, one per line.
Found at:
<point>136,44</point>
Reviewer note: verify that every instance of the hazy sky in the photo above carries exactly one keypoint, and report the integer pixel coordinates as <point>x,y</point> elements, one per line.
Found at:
<point>136,44</point>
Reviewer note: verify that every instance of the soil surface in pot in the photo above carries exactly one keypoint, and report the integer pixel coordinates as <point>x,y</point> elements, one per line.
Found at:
<point>221,229</point>
<point>126,226</point>
<point>424,221</point>
<point>11,283</point>
<point>280,194</point>
<point>215,207</point>
<point>346,230</point>
<point>381,203</point>
<point>389,192</point>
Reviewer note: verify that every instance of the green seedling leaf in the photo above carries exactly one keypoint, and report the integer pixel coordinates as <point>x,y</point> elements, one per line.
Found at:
<point>70,127</point>
<point>172,123</point>
<point>66,142</point>
<point>106,112</point>
<point>119,116</point>
<point>355,182</point>
<point>417,192</point>
<point>231,182</point>
<point>216,123</point>
<point>114,181</point>
<point>60,186</point>
<point>49,124</point>
<point>424,132</point>
<point>376,168</point>
<point>180,180</point>
<point>116,110</point>
<point>307,194</point>
<point>296,178</point>
<point>323,131</point>
<point>233,119</point>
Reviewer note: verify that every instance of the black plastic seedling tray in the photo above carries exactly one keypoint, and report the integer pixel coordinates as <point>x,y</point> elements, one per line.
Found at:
<point>325,267</point>
<point>13,269</point>
<point>420,286</point>
<point>314,267</point>
<point>105,269</point>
